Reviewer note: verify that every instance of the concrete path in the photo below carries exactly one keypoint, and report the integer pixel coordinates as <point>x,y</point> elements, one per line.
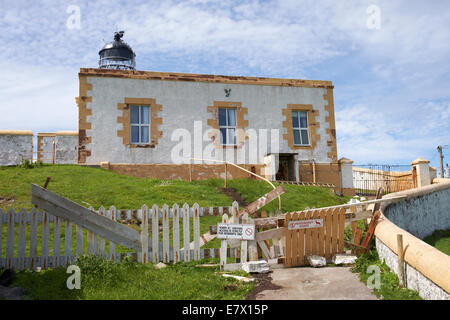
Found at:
<point>329,283</point>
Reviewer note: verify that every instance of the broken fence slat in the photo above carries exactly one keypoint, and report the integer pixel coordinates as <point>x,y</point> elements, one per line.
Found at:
<point>166,230</point>
<point>186,233</point>
<point>196,222</point>
<point>155,234</point>
<point>176,232</point>
<point>262,201</point>
<point>270,234</point>
<point>82,216</point>
<point>56,241</point>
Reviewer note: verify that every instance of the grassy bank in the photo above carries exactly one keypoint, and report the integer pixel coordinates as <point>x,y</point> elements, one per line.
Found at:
<point>96,187</point>
<point>102,279</point>
<point>440,239</point>
<point>389,284</point>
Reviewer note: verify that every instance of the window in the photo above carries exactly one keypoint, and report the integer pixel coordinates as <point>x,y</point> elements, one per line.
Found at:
<point>227,126</point>
<point>300,128</point>
<point>140,124</point>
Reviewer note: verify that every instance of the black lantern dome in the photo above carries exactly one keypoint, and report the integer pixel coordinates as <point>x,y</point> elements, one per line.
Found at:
<point>117,54</point>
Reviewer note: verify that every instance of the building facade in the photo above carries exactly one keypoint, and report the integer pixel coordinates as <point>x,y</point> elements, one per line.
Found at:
<point>153,123</point>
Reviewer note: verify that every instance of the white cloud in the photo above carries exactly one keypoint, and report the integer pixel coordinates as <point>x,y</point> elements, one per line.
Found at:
<point>391,85</point>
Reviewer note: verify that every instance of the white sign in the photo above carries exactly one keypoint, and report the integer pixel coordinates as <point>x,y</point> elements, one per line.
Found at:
<point>305,224</point>
<point>236,231</point>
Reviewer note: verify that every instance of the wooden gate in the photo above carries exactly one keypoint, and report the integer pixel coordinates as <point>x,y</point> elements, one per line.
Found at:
<point>326,240</point>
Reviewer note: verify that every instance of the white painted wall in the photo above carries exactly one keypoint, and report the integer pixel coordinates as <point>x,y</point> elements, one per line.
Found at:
<point>185,102</point>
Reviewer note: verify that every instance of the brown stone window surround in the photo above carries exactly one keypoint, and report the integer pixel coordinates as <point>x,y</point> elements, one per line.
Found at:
<point>124,119</point>
<point>313,124</point>
<point>241,123</point>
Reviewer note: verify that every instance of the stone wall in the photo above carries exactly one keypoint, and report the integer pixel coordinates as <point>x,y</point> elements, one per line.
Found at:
<point>15,146</point>
<point>425,209</point>
<point>66,147</point>
<point>184,172</point>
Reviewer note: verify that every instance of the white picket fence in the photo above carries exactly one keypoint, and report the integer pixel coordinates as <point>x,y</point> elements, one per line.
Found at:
<point>23,229</point>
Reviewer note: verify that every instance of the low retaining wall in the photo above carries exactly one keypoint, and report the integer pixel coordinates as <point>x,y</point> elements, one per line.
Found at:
<point>181,171</point>
<point>427,270</point>
<point>16,146</point>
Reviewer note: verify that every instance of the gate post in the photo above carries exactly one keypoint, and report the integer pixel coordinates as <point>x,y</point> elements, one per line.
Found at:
<point>422,168</point>
<point>346,176</point>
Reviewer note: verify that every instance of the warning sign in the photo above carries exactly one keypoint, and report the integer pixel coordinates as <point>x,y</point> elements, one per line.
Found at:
<point>236,231</point>
<point>305,224</point>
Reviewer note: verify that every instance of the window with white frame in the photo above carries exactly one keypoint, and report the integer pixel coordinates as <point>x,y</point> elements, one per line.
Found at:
<point>227,126</point>
<point>140,124</point>
<point>300,128</point>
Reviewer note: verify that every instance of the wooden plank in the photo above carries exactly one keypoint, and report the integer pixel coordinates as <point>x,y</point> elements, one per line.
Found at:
<point>308,233</point>
<point>244,242</point>
<point>22,238</point>
<point>112,245</point>
<point>321,215</point>
<point>315,234</point>
<point>223,247</point>
<point>84,217</point>
<point>196,222</point>
<point>155,234</point>
<point>33,237</point>
<point>57,242</point>
<point>334,231</point>
<point>144,235</point>
<point>358,234</point>
<point>265,250</point>
<point>10,238</point>
<point>341,234</point>
<point>297,252</point>
<point>270,234</point>
<point>348,205</point>
<point>101,241</point>
<point>67,241</point>
<point>357,216</point>
<point>176,232</point>
<point>301,245</point>
<point>79,240</point>
<point>328,225</point>
<point>166,244</point>
<point>45,238</point>
<point>370,230</point>
<point>235,219</point>
<point>91,244</point>
<point>288,248</point>
<point>262,201</point>
<point>186,232</point>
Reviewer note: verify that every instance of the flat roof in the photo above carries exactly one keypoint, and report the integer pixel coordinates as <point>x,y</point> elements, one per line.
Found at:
<point>172,76</point>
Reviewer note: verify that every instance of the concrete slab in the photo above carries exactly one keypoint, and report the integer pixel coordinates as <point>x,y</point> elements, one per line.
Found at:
<point>329,283</point>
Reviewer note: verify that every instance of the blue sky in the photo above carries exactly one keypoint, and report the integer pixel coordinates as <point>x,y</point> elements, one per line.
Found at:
<point>392,84</point>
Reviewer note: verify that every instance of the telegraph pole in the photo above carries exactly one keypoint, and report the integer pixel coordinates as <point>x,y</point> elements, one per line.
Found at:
<point>441,159</point>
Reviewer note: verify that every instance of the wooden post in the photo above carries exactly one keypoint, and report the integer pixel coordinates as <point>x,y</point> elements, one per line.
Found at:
<point>314,171</point>
<point>53,158</point>
<point>401,262</point>
<point>226,173</point>
<point>144,235</point>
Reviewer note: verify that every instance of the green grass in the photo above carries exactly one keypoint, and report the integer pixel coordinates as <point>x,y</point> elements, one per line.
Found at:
<point>96,187</point>
<point>294,199</point>
<point>102,279</point>
<point>440,239</point>
<point>389,289</point>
